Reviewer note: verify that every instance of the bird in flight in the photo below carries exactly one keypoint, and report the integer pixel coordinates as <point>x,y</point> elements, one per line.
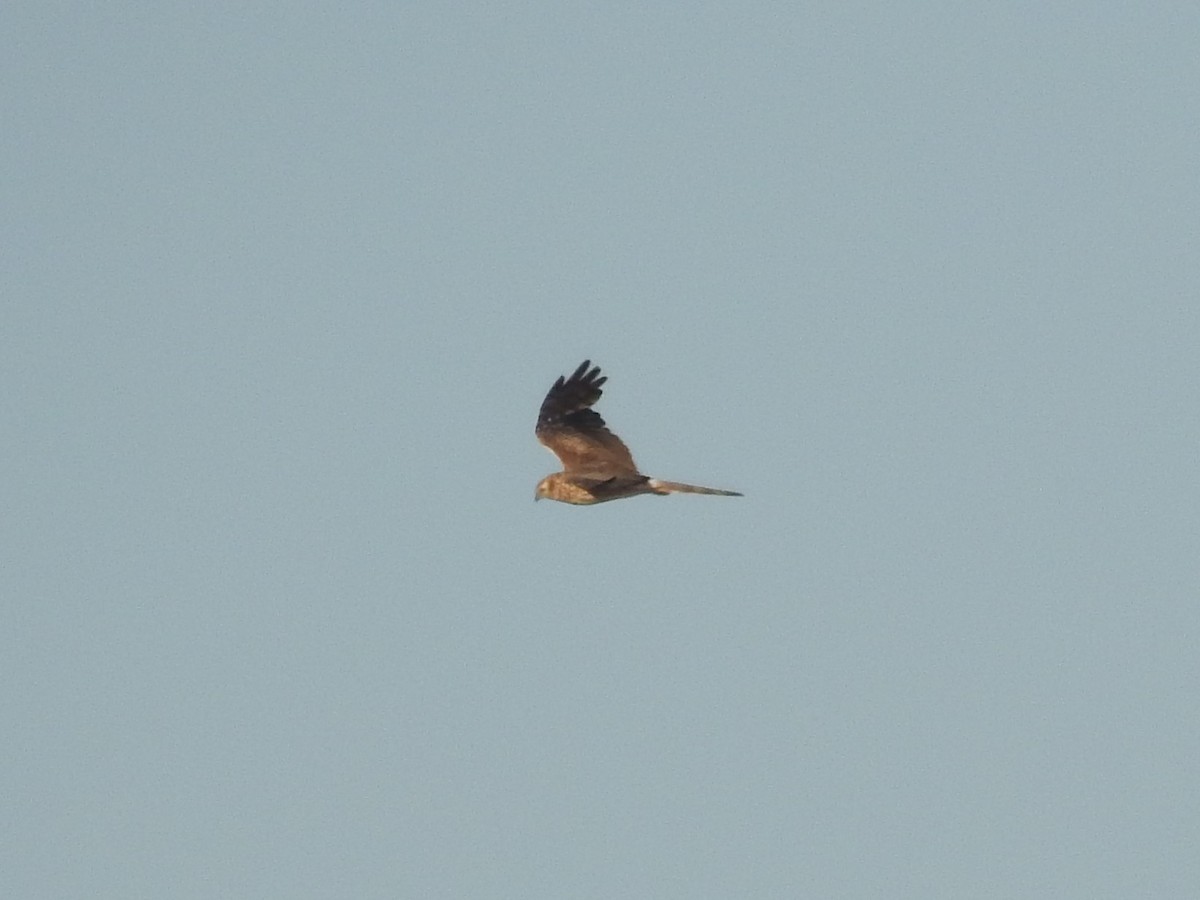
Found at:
<point>597,466</point>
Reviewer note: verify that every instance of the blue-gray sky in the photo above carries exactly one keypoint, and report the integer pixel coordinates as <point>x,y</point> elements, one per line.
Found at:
<point>283,287</point>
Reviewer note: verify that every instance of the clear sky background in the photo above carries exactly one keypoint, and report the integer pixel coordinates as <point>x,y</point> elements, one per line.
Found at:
<point>283,288</point>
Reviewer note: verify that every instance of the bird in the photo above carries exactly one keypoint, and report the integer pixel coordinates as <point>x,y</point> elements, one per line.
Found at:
<point>597,466</point>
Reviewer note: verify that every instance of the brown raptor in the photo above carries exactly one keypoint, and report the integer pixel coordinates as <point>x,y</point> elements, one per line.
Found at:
<point>597,466</point>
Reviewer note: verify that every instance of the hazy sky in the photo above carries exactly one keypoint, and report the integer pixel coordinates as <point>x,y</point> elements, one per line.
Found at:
<point>283,287</point>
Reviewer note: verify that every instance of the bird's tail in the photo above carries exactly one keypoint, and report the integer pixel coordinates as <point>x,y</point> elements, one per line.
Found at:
<point>674,487</point>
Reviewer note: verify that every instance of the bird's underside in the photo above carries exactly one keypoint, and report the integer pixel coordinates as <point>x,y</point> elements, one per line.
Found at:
<point>597,466</point>
<point>584,490</point>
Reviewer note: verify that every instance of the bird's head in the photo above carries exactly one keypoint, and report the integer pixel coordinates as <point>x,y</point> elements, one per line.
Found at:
<point>542,489</point>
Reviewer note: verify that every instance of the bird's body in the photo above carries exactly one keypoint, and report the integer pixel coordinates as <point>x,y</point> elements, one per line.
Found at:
<point>597,466</point>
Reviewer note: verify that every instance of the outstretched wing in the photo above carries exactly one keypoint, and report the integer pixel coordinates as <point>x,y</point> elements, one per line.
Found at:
<point>575,432</point>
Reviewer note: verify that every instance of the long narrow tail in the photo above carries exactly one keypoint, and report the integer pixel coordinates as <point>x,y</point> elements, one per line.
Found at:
<point>674,487</point>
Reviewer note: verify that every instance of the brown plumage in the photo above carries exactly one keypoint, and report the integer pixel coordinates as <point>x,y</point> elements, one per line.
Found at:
<point>597,466</point>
